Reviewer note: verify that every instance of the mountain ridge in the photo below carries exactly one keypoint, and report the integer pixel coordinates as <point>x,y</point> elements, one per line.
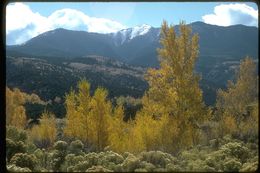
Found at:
<point>221,48</point>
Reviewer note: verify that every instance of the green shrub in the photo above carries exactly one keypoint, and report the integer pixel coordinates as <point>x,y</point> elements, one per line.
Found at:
<point>131,163</point>
<point>76,147</point>
<point>60,146</point>
<point>59,154</point>
<point>14,168</point>
<point>30,148</point>
<point>232,165</point>
<point>14,147</point>
<point>98,169</point>
<point>24,160</point>
<point>207,168</point>
<point>160,170</point>
<point>113,157</point>
<point>70,161</point>
<point>147,166</point>
<point>80,167</point>
<point>237,150</point>
<point>16,134</point>
<point>170,167</point>
<point>41,157</point>
<point>249,167</point>
<point>92,158</point>
<point>141,170</point>
<point>126,154</point>
<point>157,158</point>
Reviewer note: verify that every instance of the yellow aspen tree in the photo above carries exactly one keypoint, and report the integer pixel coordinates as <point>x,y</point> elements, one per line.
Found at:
<point>44,134</point>
<point>148,130</point>
<point>78,113</point>
<point>84,99</point>
<point>101,111</point>
<point>15,111</point>
<point>118,134</point>
<point>237,99</point>
<point>134,141</point>
<point>73,120</point>
<point>174,87</point>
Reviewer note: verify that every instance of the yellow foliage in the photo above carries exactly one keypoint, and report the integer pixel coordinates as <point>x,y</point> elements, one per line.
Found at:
<point>15,112</point>
<point>45,133</point>
<point>78,116</point>
<point>120,132</point>
<point>87,117</point>
<point>238,97</point>
<point>101,111</point>
<point>173,104</point>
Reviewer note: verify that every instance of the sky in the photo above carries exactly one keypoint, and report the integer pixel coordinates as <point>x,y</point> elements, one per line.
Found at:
<point>29,19</point>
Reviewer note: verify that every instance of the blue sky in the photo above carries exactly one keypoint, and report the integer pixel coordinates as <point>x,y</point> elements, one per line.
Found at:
<point>111,17</point>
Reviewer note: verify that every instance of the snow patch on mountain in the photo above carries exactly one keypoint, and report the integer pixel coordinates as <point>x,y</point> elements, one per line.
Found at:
<point>140,30</point>
<point>130,33</point>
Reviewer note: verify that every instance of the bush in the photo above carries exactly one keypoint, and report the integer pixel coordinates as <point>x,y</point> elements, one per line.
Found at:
<point>59,153</point>
<point>147,166</point>
<point>92,158</point>
<point>41,157</point>
<point>14,147</point>
<point>113,157</point>
<point>160,170</point>
<point>60,146</point>
<point>71,160</point>
<point>80,167</point>
<point>249,167</point>
<point>24,160</point>
<point>157,158</point>
<point>131,163</point>
<point>30,148</point>
<point>16,134</point>
<point>76,147</point>
<point>140,170</point>
<point>14,168</point>
<point>173,168</point>
<point>237,150</point>
<point>232,165</point>
<point>98,169</point>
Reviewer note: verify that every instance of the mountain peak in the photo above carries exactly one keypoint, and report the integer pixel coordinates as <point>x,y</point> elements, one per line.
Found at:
<point>140,30</point>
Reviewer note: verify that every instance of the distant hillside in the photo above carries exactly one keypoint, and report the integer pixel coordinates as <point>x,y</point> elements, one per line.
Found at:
<point>51,77</point>
<point>221,49</point>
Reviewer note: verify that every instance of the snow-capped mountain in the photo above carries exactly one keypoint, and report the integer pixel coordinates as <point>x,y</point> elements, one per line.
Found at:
<point>125,35</point>
<point>138,45</point>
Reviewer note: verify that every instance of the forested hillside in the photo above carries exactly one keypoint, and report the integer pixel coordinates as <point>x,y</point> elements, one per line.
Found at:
<point>172,128</point>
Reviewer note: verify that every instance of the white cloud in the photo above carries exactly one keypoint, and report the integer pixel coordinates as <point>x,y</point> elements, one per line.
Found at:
<point>22,23</point>
<point>231,14</point>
